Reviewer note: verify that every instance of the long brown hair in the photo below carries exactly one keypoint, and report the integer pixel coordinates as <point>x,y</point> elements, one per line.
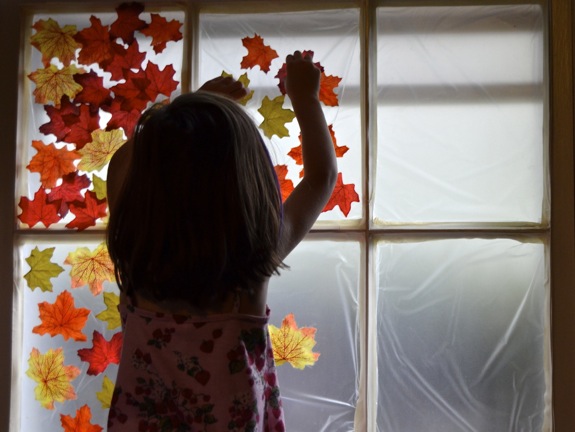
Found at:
<point>199,213</point>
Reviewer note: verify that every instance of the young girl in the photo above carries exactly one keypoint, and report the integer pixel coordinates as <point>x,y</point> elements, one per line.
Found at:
<point>196,229</point>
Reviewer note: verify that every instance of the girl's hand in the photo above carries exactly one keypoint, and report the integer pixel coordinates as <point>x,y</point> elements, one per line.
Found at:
<point>302,81</point>
<point>225,86</point>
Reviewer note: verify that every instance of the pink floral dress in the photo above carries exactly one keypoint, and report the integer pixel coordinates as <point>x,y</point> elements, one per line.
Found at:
<point>180,373</point>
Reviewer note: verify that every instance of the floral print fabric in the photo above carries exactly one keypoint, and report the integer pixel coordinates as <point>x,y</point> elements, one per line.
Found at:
<point>179,373</point>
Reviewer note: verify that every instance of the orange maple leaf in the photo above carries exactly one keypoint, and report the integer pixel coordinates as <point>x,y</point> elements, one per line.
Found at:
<point>92,268</point>
<point>53,83</point>
<point>52,376</point>
<point>292,344</point>
<point>62,318</point>
<point>54,41</point>
<point>258,54</point>
<point>102,353</point>
<point>286,185</point>
<point>296,152</point>
<point>327,84</point>
<point>52,163</point>
<point>80,423</point>
<point>343,195</point>
<point>162,31</point>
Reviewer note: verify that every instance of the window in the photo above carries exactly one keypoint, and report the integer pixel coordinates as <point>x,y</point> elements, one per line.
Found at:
<point>429,280</point>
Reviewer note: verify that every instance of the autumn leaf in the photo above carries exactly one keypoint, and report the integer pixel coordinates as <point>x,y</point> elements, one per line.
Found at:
<point>68,191</point>
<point>105,396</point>
<point>282,72</point>
<point>111,314</point>
<point>258,54</point>
<point>126,120</point>
<point>327,84</point>
<point>81,126</point>
<point>97,46</point>
<point>52,163</point>
<point>93,91</point>
<point>62,318</point>
<point>275,117</point>
<point>97,153</point>
<point>292,344</point>
<point>53,83</point>
<point>245,82</point>
<point>54,41</point>
<point>102,353</point>
<point>133,93</point>
<point>162,31</point>
<point>99,187</point>
<point>41,269</point>
<point>121,63</point>
<point>128,21</point>
<point>343,195</point>
<point>52,376</point>
<point>286,185</point>
<point>57,126</point>
<point>87,211</point>
<point>38,210</point>
<point>161,81</point>
<point>90,267</point>
<point>80,423</point>
<point>296,152</point>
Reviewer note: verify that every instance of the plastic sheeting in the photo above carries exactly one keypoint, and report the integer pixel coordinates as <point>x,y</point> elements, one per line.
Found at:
<point>462,330</point>
<point>461,120</point>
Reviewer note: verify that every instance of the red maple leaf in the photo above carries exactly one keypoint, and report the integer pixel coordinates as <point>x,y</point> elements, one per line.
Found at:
<point>38,210</point>
<point>131,59</point>
<point>126,120</point>
<point>286,185</point>
<point>80,423</point>
<point>296,152</point>
<point>69,191</point>
<point>343,195</point>
<point>128,21</point>
<point>87,211</point>
<point>93,91</point>
<point>161,81</point>
<point>51,162</point>
<point>327,84</point>
<point>133,93</point>
<point>102,353</point>
<point>81,126</point>
<point>258,54</point>
<point>282,72</point>
<point>97,47</point>
<point>56,125</point>
<point>162,31</point>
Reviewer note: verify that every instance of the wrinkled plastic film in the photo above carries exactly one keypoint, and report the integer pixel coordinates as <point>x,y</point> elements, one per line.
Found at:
<point>462,335</point>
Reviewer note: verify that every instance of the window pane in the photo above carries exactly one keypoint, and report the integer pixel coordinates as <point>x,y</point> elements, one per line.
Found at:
<point>462,335</point>
<point>460,115</point>
<point>223,41</point>
<point>321,289</point>
<point>68,321</point>
<point>88,78</point>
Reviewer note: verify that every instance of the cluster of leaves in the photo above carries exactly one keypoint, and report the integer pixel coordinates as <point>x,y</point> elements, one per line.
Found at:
<point>71,87</point>
<point>63,318</point>
<point>275,117</point>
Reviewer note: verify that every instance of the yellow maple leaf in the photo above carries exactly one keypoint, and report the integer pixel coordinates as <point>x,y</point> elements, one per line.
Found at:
<point>275,117</point>
<point>105,396</point>
<point>97,153</point>
<point>245,82</point>
<point>53,83</point>
<point>54,41</point>
<point>292,344</point>
<point>52,376</point>
<point>41,269</point>
<point>99,187</point>
<point>92,268</point>
<point>111,315</point>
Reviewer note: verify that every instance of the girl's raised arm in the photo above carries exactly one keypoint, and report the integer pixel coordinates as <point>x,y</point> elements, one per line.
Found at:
<point>308,199</point>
